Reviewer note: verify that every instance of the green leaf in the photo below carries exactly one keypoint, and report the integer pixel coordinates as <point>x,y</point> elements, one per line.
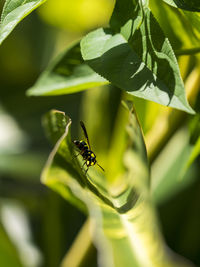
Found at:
<point>66,74</point>
<point>138,59</point>
<point>13,12</point>
<point>190,5</point>
<point>119,205</point>
<point>56,125</point>
<point>186,33</point>
<point>125,11</point>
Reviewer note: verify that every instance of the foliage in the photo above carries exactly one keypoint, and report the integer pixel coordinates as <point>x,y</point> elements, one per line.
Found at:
<point>69,65</point>
<point>138,70</point>
<point>13,12</point>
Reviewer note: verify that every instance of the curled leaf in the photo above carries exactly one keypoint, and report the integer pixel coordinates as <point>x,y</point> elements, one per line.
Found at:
<point>120,207</point>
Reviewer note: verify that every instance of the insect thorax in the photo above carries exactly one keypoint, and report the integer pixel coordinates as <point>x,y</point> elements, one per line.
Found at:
<point>81,145</point>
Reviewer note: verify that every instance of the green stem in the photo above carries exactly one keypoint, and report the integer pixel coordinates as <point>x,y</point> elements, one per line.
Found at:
<point>189,51</point>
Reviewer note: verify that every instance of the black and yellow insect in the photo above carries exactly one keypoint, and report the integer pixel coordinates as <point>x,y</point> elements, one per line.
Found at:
<point>85,150</point>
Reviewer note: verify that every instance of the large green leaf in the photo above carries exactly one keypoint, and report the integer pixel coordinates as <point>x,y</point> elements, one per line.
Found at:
<point>137,57</point>
<point>13,12</point>
<point>118,203</point>
<point>190,5</point>
<point>66,74</point>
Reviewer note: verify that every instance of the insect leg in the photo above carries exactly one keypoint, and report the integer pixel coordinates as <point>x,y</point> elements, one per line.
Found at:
<point>86,170</point>
<point>83,165</point>
<point>75,156</point>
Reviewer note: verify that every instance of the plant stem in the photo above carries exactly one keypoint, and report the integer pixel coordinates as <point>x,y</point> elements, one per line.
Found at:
<point>189,51</point>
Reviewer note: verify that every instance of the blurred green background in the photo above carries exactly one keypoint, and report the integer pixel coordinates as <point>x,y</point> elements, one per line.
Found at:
<point>37,226</point>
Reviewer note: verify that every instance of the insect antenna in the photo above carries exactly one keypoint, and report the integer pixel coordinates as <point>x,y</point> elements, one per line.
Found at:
<point>101,167</point>
<point>85,133</point>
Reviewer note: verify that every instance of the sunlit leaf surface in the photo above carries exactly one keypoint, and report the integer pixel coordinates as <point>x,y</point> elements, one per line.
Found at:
<point>13,12</point>
<point>125,228</point>
<point>136,56</point>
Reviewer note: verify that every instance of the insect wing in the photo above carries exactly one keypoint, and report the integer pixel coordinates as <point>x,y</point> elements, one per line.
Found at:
<point>85,132</point>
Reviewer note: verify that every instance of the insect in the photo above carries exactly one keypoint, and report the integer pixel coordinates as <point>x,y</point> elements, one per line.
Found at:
<point>85,150</point>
